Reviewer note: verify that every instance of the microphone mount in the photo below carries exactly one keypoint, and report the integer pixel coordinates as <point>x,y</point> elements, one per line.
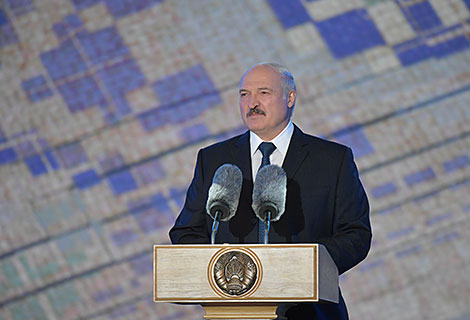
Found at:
<point>218,209</point>
<point>267,226</point>
<point>268,209</point>
<point>215,226</point>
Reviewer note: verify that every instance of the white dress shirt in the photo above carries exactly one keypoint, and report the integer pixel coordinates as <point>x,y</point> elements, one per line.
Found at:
<point>281,141</point>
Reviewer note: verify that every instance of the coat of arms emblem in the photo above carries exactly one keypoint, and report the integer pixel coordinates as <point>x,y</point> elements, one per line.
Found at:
<point>235,272</point>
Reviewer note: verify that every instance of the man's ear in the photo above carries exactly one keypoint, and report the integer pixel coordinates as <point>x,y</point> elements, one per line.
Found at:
<point>291,98</point>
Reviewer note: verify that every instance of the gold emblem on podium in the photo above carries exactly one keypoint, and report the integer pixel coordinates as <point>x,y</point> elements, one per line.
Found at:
<point>234,272</point>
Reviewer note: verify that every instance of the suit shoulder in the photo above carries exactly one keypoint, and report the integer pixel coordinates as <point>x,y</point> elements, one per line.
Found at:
<point>327,145</point>
<point>223,145</point>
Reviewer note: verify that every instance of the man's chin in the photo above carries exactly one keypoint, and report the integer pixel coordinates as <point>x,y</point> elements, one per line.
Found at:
<point>254,125</point>
<point>259,130</point>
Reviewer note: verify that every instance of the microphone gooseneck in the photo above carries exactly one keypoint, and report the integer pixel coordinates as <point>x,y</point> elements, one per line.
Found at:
<point>215,226</point>
<point>267,226</point>
<point>223,196</point>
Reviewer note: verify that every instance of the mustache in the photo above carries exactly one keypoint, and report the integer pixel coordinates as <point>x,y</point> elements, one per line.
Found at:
<point>255,110</point>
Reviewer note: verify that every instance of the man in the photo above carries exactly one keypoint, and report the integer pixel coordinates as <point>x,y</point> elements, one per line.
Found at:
<point>325,201</point>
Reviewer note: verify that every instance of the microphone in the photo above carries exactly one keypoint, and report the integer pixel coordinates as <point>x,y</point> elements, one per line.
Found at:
<point>269,195</point>
<point>223,196</point>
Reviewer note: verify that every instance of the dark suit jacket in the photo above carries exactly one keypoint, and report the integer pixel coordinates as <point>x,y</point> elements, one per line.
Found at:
<point>325,204</point>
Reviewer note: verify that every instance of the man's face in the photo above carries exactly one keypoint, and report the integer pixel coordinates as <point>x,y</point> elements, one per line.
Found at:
<point>264,108</point>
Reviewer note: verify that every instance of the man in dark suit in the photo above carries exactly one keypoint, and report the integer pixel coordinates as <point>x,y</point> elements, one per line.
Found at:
<point>325,201</point>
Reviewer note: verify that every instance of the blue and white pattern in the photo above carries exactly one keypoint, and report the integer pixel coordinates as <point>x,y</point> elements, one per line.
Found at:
<point>105,103</point>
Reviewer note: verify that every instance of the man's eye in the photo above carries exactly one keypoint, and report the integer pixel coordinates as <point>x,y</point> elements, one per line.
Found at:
<point>265,92</point>
<point>243,94</point>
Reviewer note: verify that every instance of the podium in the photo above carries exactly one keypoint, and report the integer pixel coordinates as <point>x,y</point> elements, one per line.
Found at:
<point>244,281</point>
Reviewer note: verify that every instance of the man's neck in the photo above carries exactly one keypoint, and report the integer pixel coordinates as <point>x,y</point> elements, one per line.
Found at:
<point>271,137</point>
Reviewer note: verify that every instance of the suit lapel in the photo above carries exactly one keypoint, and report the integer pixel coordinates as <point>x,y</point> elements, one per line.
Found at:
<point>296,153</point>
<point>242,158</point>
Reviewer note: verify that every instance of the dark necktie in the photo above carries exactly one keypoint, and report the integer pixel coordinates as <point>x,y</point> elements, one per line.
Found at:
<point>266,148</point>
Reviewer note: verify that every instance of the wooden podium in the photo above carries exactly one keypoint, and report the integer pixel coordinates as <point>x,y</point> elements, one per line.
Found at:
<point>243,281</point>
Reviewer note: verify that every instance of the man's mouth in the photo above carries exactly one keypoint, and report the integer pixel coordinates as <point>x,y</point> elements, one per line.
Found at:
<point>255,110</point>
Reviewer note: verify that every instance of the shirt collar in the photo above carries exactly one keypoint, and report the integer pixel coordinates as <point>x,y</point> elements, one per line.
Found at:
<point>281,141</point>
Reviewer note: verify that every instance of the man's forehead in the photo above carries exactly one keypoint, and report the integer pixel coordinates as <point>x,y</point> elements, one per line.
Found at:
<point>261,76</point>
<point>261,88</point>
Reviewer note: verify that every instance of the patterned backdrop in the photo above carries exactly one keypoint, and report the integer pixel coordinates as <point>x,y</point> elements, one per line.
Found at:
<point>105,103</point>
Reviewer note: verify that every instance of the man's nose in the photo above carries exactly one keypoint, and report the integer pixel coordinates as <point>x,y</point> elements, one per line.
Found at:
<point>253,103</point>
